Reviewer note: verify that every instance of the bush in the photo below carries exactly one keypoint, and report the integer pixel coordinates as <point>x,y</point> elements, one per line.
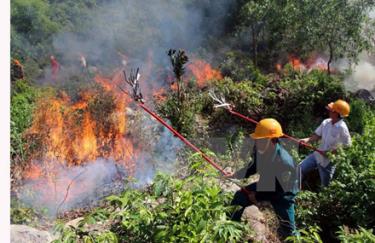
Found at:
<point>350,198</point>
<point>23,97</point>
<point>306,95</point>
<point>345,235</point>
<point>171,210</point>
<point>238,66</point>
<point>182,114</point>
<point>356,236</point>
<point>20,214</point>
<point>358,110</point>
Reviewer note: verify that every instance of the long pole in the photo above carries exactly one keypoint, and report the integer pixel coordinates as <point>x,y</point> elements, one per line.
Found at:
<point>285,135</point>
<point>183,139</point>
<point>192,146</point>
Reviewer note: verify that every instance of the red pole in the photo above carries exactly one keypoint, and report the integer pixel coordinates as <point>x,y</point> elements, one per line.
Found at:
<point>285,135</point>
<point>183,139</point>
<point>242,116</point>
<point>187,142</point>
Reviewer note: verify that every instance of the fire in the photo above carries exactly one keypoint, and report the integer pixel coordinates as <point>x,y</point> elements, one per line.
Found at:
<point>199,70</point>
<point>296,63</point>
<point>71,133</point>
<point>79,132</point>
<point>315,62</point>
<point>203,72</point>
<point>85,145</point>
<point>33,172</point>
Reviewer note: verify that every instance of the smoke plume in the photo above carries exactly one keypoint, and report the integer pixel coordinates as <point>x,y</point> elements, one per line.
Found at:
<point>126,33</point>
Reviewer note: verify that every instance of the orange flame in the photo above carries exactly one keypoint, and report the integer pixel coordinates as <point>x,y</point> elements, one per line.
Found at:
<point>203,72</point>
<point>85,145</point>
<point>69,131</point>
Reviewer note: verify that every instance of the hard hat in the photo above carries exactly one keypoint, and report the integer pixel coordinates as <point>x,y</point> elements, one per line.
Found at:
<point>340,106</point>
<point>267,128</point>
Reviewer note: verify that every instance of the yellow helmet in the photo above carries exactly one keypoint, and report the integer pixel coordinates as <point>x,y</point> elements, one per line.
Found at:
<point>341,107</point>
<point>267,128</point>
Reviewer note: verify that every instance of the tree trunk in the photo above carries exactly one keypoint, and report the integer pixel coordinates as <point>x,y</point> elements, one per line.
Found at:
<point>254,45</point>
<point>330,58</point>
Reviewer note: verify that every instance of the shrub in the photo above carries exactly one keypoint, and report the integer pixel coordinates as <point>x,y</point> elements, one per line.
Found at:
<point>345,235</point>
<point>356,236</point>
<point>23,97</point>
<point>170,210</point>
<point>350,198</point>
<point>20,214</point>
<point>238,66</point>
<point>182,114</point>
<point>358,110</point>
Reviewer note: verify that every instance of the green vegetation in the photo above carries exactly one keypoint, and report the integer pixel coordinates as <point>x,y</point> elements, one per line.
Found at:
<point>349,200</point>
<point>256,36</point>
<point>302,27</point>
<point>193,209</point>
<point>23,98</point>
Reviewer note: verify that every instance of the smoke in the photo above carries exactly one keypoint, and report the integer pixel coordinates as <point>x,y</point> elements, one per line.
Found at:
<point>60,188</point>
<point>69,187</point>
<point>362,76</point>
<point>126,33</point>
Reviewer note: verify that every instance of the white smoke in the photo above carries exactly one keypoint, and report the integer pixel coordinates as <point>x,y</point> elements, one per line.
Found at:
<point>138,30</point>
<point>62,188</point>
<point>68,187</point>
<point>361,75</point>
<point>125,33</point>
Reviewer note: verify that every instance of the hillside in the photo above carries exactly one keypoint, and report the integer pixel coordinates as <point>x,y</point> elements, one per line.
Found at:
<point>127,118</point>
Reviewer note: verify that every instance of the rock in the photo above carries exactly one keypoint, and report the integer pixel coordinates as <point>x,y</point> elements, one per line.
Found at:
<point>257,222</point>
<point>27,234</point>
<point>365,95</point>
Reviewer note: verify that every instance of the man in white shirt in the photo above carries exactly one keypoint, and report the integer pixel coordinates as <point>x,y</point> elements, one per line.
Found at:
<point>332,132</point>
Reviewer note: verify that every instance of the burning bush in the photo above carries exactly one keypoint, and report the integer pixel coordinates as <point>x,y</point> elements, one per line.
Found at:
<point>78,131</point>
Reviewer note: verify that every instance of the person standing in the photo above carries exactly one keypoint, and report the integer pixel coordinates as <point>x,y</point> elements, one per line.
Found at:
<point>332,132</point>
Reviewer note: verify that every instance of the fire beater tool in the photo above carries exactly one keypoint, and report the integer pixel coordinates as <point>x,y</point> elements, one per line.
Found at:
<point>133,81</point>
<point>221,103</point>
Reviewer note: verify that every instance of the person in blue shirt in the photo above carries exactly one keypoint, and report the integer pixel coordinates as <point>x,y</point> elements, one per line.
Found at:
<point>278,177</point>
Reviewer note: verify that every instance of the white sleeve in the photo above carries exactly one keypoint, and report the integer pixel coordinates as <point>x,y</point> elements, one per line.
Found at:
<point>319,130</point>
<point>346,139</point>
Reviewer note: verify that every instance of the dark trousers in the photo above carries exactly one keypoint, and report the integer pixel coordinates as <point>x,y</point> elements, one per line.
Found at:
<point>282,204</point>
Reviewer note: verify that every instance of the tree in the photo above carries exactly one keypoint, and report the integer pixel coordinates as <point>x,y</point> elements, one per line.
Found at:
<point>338,27</point>
<point>31,27</point>
<point>255,17</point>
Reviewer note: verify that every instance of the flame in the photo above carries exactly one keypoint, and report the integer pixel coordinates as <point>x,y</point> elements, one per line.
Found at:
<point>203,72</point>
<point>296,63</point>
<point>85,145</point>
<point>72,132</point>
<point>314,62</point>
<point>278,67</point>
<point>33,171</point>
<point>69,133</point>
